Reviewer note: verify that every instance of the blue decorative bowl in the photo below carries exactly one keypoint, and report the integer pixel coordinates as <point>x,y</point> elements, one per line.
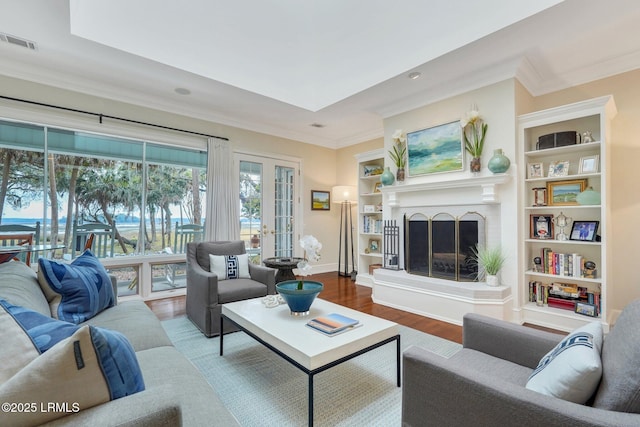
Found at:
<point>299,300</point>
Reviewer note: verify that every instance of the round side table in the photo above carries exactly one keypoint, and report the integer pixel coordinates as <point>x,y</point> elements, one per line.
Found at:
<point>285,267</point>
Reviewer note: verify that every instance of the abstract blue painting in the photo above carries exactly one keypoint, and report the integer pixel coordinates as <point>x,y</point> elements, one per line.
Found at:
<point>436,149</point>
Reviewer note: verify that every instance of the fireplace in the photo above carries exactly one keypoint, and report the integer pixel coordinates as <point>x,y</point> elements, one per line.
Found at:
<point>441,245</point>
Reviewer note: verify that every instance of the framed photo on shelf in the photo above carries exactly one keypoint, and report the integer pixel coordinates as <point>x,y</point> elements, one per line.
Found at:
<point>320,200</point>
<point>558,168</point>
<point>585,231</point>
<point>541,227</point>
<point>586,309</point>
<point>374,245</point>
<point>535,170</point>
<point>588,164</point>
<point>539,196</point>
<point>564,193</point>
<point>368,208</point>
<point>377,186</point>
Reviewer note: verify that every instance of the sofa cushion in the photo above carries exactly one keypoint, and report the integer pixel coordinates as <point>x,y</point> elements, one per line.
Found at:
<point>230,266</point>
<point>572,370</point>
<point>620,386</point>
<point>76,291</point>
<point>17,349</point>
<point>19,286</point>
<point>90,367</point>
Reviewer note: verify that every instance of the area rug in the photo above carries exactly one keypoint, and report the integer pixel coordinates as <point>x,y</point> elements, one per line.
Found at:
<point>262,389</point>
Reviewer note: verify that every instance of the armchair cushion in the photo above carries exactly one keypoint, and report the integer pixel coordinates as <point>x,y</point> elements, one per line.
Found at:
<point>230,266</point>
<point>572,370</point>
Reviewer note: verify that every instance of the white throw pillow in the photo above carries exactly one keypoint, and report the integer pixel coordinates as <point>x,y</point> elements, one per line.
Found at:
<point>230,266</point>
<point>572,370</point>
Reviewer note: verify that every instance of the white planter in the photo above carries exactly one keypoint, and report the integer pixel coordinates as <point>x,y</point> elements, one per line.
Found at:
<point>492,280</point>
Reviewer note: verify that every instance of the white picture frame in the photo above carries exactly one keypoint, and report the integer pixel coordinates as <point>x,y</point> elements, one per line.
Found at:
<point>589,164</point>
<point>535,170</point>
<point>558,168</point>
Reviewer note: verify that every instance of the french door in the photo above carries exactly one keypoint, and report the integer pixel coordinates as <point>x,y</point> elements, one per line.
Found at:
<point>269,205</point>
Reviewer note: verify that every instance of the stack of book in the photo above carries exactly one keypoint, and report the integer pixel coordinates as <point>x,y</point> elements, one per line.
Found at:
<point>332,324</point>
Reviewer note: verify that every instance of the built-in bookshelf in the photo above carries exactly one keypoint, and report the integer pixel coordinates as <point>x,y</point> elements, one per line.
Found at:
<point>573,256</point>
<point>370,236</point>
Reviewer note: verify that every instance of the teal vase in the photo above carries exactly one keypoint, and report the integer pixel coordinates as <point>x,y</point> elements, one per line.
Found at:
<point>588,197</point>
<point>499,163</point>
<point>387,177</point>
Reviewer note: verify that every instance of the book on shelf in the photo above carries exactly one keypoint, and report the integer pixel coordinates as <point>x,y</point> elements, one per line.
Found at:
<point>333,323</point>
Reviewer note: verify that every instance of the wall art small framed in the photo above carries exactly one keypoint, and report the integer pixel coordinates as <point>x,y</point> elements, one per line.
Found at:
<point>436,149</point>
<point>589,164</point>
<point>320,200</point>
<point>535,170</point>
<point>541,227</point>
<point>564,193</point>
<point>558,168</point>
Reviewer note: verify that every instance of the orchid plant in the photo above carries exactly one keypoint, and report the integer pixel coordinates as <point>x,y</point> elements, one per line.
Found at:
<point>474,129</point>
<point>312,248</point>
<point>399,149</point>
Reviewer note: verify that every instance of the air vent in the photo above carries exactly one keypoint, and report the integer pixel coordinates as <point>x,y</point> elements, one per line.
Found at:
<point>18,41</point>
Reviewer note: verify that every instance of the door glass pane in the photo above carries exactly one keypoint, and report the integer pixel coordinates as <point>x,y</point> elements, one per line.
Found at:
<point>251,208</point>
<point>284,198</point>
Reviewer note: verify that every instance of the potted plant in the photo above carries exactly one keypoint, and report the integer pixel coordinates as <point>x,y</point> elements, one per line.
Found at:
<point>490,262</point>
<point>474,129</point>
<point>398,153</point>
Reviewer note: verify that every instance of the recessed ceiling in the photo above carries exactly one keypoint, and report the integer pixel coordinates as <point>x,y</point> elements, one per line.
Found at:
<point>276,67</point>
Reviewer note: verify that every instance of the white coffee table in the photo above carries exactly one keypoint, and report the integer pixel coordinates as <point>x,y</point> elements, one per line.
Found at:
<point>309,350</point>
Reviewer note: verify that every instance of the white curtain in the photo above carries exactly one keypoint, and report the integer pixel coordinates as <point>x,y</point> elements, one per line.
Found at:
<point>223,219</point>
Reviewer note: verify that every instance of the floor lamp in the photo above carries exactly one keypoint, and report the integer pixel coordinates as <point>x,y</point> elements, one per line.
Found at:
<point>345,195</point>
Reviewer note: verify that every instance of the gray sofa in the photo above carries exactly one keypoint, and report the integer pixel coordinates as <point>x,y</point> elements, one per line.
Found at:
<point>175,391</point>
<point>484,383</point>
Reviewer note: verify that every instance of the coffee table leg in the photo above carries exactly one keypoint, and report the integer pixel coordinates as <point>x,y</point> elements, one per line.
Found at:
<point>310,400</point>
<point>221,333</point>
<point>397,358</point>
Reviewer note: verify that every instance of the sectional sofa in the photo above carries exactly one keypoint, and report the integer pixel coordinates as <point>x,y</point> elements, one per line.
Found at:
<point>174,394</point>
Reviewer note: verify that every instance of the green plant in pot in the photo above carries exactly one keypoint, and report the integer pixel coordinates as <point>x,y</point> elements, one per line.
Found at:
<point>474,130</point>
<point>490,261</point>
<point>398,153</point>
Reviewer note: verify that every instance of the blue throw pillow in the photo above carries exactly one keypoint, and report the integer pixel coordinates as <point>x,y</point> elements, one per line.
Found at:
<point>77,291</point>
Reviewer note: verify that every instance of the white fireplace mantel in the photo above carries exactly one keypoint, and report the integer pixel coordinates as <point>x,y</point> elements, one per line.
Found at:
<point>487,186</point>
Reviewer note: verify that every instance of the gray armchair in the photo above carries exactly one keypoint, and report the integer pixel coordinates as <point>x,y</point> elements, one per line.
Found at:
<point>484,383</point>
<point>205,293</point>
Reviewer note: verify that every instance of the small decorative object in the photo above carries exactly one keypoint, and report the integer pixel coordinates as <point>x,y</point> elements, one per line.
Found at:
<point>434,150</point>
<point>558,168</point>
<point>564,193</point>
<point>585,231</point>
<point>590,271</point>
<point>588,164</point>
<point>377,187</point>
<point>371,170</point>
<point>299,295</point>
<point>474,131</point>
<point>320,200</point>
<point>535,170</point>
<point>387,177</point>
<point>588,197</point>
<point>562,221</point>
<point>537,264</point>
<point>398,153</point>
<point>490,262</point>
<point>255,241</point>
<point>475,165</point>
<point>368,208</point>
<point>587,137</point>
<point>374,245</point>
<point>541,227</point>
<point>540,196</point>
<point>499,163</point>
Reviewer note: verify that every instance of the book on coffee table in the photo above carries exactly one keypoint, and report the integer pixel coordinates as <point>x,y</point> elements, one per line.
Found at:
<point>333,323</point>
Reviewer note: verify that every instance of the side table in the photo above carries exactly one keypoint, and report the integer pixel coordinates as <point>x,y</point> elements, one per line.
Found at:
<point>285,267</point>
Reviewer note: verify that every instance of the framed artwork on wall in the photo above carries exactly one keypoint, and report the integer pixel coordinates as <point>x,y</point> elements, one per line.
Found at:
<point>320,200</point>
<point>436,149</point>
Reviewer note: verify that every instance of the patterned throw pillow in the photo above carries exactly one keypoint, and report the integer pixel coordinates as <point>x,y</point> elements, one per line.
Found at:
<point>230,266</point>
<point>77,291</point>
<point>84,366</point>
<point>572,370</point>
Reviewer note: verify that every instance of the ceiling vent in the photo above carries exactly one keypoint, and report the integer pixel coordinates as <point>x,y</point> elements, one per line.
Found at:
<point>18,41</point>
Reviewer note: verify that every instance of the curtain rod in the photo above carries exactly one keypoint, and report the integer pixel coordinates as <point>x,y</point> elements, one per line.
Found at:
<point>106,116</point>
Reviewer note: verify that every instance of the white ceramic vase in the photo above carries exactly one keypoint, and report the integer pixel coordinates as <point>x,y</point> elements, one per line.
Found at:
<point>492,280</point>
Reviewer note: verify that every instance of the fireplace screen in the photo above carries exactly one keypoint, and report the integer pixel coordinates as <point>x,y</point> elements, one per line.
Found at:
<point>440,246</point>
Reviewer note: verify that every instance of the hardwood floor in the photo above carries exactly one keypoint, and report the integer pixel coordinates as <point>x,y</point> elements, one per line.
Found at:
<point>339,290</point>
